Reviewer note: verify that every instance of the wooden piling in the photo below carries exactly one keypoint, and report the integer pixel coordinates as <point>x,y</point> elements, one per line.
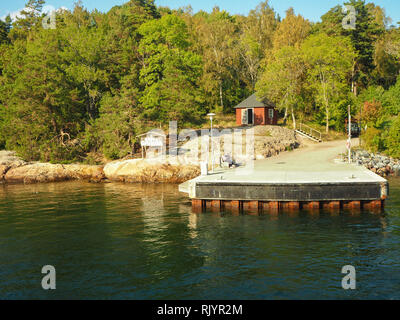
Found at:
<point>216,204</point>
<point>311,205</point>
<point>375,206</point>
<point>290,206</point>
<point>208,204</point>
<point>274,207</point>
<point>351,205</point>
<point>331,205</point>
<point>250,205</point>
<point>270,207</point>
<point>197,205</point>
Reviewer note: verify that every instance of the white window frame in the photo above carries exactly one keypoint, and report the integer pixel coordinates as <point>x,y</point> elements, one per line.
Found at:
<point>242,111</point>
<point>271,112</point>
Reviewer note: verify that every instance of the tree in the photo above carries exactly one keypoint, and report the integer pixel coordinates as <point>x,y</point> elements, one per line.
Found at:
<point>387,65</point>
<point>283,80</point>
<point>392,140</point>
<point>170,71</point>
<point>379,15</point>
<point>5,27</point>
<point>113,131</point>
<point>291,31</point>
<point>256,37</point>
<point>29,20</point>
<point>217,42</point>
<point>363,37</point>
<point>392,43</point>
<point>391,99</point>
<point>372,111</point>
<point>330,61</point>
<point>42,114</point>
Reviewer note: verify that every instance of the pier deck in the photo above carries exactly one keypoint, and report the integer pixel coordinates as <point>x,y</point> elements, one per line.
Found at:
<point>307,177</point>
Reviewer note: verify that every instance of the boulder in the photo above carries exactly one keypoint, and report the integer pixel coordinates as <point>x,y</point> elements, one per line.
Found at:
<point>380,165</point>
<point>396,170</point>
<point>9,160</point>
<point>3,171</point>
<point>37,172</point>
<point>147,171</point>
<point>85,172</point>
<point>47,172</point>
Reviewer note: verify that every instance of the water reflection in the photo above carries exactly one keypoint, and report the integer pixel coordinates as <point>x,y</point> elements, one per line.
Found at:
<point>144,241</point>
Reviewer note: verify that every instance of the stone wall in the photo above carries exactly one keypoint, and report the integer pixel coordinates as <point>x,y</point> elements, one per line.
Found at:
<point>268,141</point>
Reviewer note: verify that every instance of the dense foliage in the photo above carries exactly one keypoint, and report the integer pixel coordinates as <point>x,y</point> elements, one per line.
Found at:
<point>97,80</point>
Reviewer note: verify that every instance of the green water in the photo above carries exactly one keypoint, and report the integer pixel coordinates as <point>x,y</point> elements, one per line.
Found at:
<point>124,241</point>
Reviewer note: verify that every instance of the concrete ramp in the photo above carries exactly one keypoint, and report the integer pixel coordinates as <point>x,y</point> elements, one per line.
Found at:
<point>184,187</point>
<point>308,175</point>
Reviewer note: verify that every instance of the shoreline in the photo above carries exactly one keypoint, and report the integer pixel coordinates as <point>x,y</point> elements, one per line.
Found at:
<point>270,141</point>
<point>14,170</point>
<point>147,171</point>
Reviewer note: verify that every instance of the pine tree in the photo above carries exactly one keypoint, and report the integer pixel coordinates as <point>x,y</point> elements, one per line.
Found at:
<point>5,27</point>
<point>363,37</point>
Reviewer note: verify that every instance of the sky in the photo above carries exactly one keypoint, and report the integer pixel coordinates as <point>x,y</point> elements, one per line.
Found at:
<point>310,9</point>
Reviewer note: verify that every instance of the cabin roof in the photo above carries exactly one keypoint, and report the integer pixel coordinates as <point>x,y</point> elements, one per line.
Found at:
<point>254,102</point>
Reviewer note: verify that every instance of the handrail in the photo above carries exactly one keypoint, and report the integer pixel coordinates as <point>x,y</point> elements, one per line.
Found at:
<point>310,131</point>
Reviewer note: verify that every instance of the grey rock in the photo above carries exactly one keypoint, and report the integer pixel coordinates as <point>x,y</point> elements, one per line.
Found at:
<point>379,165</point>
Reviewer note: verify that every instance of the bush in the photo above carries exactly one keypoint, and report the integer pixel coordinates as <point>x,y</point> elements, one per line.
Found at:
<point>372,111</point>
<point>373,140</point>
<point>64,154</point>
<point>392,139</point>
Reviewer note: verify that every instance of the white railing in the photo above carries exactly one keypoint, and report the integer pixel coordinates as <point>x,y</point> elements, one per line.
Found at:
<point>310,131</point>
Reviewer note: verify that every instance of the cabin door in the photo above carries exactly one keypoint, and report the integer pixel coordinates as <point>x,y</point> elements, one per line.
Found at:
<point>249,116</point>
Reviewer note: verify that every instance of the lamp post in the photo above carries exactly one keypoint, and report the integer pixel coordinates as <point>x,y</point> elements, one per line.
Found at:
<point>211,115</point>
<point>349,139</point>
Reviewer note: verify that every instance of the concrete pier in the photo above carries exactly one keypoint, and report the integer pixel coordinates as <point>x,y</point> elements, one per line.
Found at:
<point>309,178</point>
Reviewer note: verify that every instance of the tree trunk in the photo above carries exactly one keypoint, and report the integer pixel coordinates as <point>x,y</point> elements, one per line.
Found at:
<point>294,119</point>
<point>285,116</point>
<point>353,82</point>
<point>220,96</point>
<point>327,119</point>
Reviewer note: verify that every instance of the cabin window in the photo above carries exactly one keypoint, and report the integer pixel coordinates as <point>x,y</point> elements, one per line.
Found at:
<point>271,113</point>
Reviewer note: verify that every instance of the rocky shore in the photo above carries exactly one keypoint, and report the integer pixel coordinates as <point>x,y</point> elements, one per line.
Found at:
<point>268,141</point>
<point>15,170</point>
<point>150,171</point>
<point>377,163</point>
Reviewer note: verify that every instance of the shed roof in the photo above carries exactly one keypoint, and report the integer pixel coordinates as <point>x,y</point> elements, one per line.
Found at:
<point>254,102</point>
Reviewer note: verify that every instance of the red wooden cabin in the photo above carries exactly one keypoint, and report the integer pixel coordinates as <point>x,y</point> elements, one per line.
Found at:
<point>255,111</point>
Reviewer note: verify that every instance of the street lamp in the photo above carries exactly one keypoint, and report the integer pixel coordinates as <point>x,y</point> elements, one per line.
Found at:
<point>349,139</point>
<point>211,115</point>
